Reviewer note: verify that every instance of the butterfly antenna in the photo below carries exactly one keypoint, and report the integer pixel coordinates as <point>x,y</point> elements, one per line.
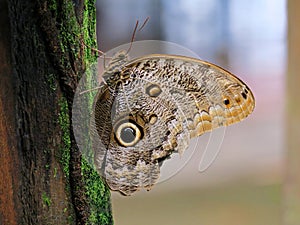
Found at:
<point>135,30</point>
<point>133,36</point>
<point>145,22</point>
<point>93,49</point>
<point>92,89</point>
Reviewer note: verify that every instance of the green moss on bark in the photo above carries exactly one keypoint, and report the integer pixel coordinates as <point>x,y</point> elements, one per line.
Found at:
<point>46,200</point>
<point>96,191</point>
<point>64,122</point>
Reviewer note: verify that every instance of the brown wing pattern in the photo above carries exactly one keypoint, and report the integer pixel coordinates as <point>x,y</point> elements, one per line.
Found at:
<point>155,105</point>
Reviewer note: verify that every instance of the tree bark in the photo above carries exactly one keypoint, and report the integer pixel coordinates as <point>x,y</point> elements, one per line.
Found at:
<point>9,159</point>
<point>292,181</point>
<point>44,179</point>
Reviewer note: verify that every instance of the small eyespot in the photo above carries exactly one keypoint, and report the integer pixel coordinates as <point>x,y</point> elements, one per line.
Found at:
<point>153,119</point>
<point>153,90</point>
<point>244,95</point>
<point>226,101</point>
<point>128,134</point>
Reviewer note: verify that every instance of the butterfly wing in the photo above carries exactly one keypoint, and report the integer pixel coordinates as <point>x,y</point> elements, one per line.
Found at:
<point>121,115</point>
<point>208,95</point>
<point>152,106</point>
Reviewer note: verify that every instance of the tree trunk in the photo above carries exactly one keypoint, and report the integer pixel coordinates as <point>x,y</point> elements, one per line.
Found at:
<point>43,178</point>
<point>292,181</point>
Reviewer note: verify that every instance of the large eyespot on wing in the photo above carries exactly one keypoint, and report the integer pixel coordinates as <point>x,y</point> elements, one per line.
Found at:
<point>128,133</point>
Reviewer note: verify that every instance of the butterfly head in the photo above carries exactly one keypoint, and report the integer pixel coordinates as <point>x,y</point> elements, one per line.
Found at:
<point>113,72</point>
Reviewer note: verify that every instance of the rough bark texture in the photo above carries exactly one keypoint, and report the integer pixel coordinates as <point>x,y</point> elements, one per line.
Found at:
<point>9,166</point>
<point>292,184</point>
<point>43,178</point>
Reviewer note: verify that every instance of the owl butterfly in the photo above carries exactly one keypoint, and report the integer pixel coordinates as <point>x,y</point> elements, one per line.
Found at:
<point>150,107</point>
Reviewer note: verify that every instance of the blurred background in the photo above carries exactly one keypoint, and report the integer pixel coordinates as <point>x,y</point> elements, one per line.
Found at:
<point>244,184</point>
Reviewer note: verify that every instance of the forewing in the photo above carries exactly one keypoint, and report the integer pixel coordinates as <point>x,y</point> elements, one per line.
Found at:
<point>207,95</point>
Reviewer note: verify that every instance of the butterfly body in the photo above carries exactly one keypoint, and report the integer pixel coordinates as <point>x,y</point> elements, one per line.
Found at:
<point>151,107</point>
